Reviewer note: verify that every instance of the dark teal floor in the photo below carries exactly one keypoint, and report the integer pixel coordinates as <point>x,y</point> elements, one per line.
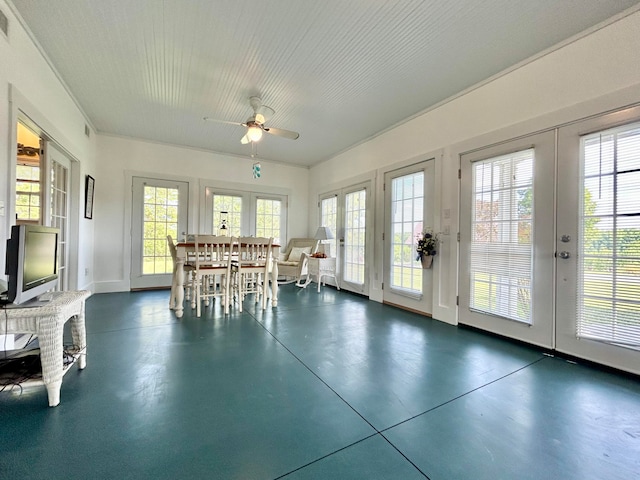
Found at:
<point>329,386</point>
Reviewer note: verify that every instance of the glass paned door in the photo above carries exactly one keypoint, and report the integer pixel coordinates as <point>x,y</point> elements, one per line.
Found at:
<point>409,212</point>
<point>507,239</point>
<point>345,212</point>
<point>159,209</point>
<point>598,241</point>
<point>246,214</point>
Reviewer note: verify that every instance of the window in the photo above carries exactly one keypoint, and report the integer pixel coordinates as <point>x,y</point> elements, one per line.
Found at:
<point>28,192</point>
<point>500,264</point>
<point>407,212</point>
<point>609,261</point>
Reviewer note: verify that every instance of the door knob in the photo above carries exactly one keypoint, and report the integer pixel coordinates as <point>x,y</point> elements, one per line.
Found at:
<point>565,255</point>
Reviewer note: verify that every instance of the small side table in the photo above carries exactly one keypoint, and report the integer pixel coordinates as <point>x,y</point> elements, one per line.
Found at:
<point>47,322</point>
<point>318,268</point>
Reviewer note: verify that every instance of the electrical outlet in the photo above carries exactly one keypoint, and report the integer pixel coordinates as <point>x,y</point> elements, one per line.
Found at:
<point>86,272</point>
<point>1,208</point>
<point>447,230</point>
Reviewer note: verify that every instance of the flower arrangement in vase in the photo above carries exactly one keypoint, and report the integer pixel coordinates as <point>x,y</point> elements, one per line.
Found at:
<point>426,247</point>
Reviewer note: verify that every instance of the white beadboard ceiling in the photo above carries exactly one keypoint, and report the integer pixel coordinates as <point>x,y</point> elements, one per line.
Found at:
<point>338,72</point>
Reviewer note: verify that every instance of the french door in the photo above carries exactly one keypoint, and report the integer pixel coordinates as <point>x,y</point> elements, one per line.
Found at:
<point>507,239</point>
<point>246,214</point>
<point>408,212</point>
<point>550,239</point>
<point>598,308</point>
<point>345,212</point>
<point>159,208</point>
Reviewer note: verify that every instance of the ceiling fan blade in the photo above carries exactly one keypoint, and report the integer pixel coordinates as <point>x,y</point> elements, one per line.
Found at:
<point>264,113</point>
<point>279,132</point>
<point>209,119</point>
<point>244,140</point>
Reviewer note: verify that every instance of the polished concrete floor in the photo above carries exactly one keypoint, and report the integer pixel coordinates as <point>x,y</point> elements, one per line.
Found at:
<point>329,386</point>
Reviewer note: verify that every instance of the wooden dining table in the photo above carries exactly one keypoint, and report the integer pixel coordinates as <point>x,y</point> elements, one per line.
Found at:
<point>184,249</point>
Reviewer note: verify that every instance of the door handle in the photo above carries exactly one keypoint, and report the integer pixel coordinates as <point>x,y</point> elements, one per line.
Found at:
<point>564,254</point>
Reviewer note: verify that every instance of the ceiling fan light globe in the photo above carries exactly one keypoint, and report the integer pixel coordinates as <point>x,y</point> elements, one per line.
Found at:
<point>254,133</point>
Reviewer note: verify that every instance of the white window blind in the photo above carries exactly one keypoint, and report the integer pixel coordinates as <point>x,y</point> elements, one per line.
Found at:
<point>609,248</point>
<point>501,259</point>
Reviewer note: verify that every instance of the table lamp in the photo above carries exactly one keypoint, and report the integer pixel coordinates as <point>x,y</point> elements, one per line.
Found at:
<point>324,233</point>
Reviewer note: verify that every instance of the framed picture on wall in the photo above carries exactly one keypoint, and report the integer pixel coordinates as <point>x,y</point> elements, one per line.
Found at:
<point>88,196</point>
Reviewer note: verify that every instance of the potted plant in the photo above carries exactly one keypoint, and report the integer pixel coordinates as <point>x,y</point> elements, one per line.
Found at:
<point>426,247</point>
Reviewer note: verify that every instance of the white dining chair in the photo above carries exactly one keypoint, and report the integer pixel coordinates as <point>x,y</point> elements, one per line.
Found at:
<point>251,269</point>
<point>212,272</point>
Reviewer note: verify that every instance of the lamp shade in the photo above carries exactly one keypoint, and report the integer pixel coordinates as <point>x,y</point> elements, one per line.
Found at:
<point>324,233</point>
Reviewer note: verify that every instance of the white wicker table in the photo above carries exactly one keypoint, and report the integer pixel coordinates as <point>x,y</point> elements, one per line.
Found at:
<point>318,268</point>
<point>47,322</point>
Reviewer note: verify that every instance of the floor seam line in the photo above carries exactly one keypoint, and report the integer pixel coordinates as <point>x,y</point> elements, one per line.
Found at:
<point>462,395</point>
<point>327,455</point>
<point>314,373</point>
<point>377,432</point>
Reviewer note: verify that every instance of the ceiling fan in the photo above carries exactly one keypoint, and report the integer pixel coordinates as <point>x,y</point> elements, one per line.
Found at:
<point>255,124</point>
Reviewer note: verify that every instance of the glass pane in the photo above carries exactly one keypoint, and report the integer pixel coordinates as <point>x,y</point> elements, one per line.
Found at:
<point>268,219</point>
<point>407,207</point>
<point>160,212</point>
<point>609,256</point>
<point>501,265</point>
<point>229,209</point>
<point>355,224</point>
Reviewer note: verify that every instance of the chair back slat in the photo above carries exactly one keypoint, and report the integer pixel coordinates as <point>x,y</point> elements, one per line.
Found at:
<point>212,251</point>
<point>255,250</point>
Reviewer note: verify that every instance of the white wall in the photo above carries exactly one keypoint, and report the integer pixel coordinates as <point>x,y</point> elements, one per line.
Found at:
<point>595,73</point>
<point>119,158</point>
<point>598,72</point>
<point>28,85</point>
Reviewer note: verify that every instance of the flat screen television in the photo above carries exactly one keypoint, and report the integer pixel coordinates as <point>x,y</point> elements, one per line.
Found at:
<point>32,262</point>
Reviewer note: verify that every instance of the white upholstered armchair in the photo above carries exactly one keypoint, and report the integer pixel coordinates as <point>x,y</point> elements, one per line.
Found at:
<point>292,265</point>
